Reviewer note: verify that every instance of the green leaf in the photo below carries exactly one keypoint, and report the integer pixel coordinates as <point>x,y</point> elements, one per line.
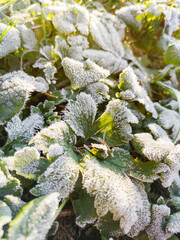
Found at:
<point>173,224</point>
<point>14,203</point>
<point>35,219</point>
<point>80,114</point>
<point>114,123</point>
<point>5,216</point>
<point>172,55</point>
<point>84,209</point>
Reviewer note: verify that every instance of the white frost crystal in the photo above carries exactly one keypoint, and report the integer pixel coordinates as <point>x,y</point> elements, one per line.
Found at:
<point>71,18</point>
<point>11,40</point>
<point>113,192</point>
<point>25,129</point>
<point>81,75</point>
<point>80,114</point>
<point>156,230</point>
<point>60,176</point>
<point>132,90</point>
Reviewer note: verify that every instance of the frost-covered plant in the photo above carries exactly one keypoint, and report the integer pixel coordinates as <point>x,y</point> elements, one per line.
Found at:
<point>90,112</point>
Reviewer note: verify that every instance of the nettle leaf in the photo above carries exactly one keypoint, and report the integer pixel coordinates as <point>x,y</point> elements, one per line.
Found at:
<point>26,162</point>
<point>98,91</point>
<point>169,119</point>
<point>80,114</point>
<point>84,209</point>
<point>56,133</point>
<point>60,176</point>
<point>8,183</point>
<point>29,40</point>
<point>173,224</point>
<point>71,47</point>
<point>156,229</point>
<point>129,13</point>
<point>5,216</point>
<point>154,150</point>
<point>23,131</point>
<point>116,193</point>
<point>80,75</point>
<point>71,19</point>
<point>14,203</point>
<point>115,123</point>
<point>108,39</point>
<point>172,55</point>
<point>11,40</point>
<point>35,218</point>
<point>15,90</point>
<point>132,90</point>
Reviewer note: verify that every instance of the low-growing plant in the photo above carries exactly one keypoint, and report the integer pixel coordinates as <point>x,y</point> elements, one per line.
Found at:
<point>90,113</point>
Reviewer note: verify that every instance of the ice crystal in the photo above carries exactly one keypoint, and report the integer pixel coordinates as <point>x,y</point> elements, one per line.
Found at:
<point>24,130</point>
<point>132,90</point>
<point>60,176</point>
<point>72,18</point>
<point>10,42</point>
<point>81,75</point>
<point>80,114</point>
<point>113,192</point>
<point>156,230</point>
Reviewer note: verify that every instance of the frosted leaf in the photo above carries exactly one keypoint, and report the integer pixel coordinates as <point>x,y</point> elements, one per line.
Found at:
<point>106,60</point>
<point>60,176</point>
<point>34,8</point>
<point>15,88</point>
<point>169,119</point>
<point>172,20</point>
<point>81,75</point>
<point>173,225</point>
<point>71,19</point>
<point>128,15</point>
<point>9,184</point>
<point>58,132</point>
<point>5,216</point>
<point>172,55</point>
<point>54,151</point>
<point>26,162</point>
<point>98,91</point>
<point>173,161</point>
<point>35,219</point>
<point>115,123</point>
<point>80,114</point>
<point>28,37</point>
<point>23,131</point>
<point>132,90</point>
<point>154,150</point>
<point>105,36</point>
<point>117,194</point>
<point>157,131</point>
<point>14,203</point>
<point>78,40</point>
<point>3,179</point>
<point>47,66</point>
<point>156,230</point>
<point>11,40</point>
